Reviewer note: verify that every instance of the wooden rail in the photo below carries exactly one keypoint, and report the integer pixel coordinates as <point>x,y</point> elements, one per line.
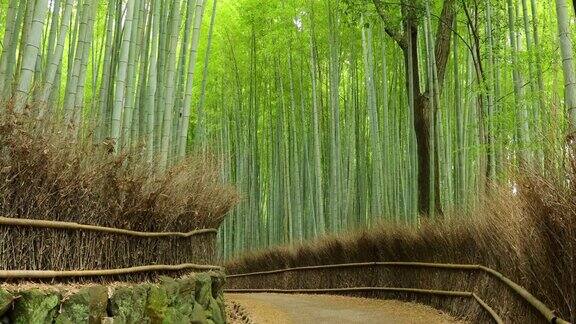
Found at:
<point>50,274</point>
<point>527,296</point>
<point>6,221</point>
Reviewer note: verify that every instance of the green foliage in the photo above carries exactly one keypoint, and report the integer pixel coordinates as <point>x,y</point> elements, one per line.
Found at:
<point>354,9</point>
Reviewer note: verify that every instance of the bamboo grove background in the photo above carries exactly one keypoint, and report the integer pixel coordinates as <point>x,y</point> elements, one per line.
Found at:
<point>120,71</point>
<point>314,106</point>
<point>309,104</point>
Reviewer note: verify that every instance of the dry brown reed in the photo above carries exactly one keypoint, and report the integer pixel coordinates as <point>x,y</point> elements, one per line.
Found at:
<point>528,236</point>
<point>45,175</point>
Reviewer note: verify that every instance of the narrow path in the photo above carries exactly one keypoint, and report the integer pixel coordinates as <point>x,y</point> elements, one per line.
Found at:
<point>316,309</point>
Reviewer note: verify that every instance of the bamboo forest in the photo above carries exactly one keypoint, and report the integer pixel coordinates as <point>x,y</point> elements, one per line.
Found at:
<point>277,135</point>
<point>328,115</point>
<point>333,115</point>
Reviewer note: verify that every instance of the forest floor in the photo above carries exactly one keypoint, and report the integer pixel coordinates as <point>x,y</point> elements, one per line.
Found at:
<point>284,309</point>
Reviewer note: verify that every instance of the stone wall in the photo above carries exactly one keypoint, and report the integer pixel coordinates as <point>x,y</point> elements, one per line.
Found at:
<point>195,298</point>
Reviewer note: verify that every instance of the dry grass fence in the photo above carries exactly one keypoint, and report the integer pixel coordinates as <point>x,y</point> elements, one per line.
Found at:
<point>528,237</point>
<point>46,176</point>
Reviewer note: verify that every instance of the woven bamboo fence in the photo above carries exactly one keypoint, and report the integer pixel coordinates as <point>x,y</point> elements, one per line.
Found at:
<point>402,280</point>
<point>64,251</point>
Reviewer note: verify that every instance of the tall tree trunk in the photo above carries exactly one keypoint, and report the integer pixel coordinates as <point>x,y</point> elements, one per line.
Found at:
<point>422,107</point>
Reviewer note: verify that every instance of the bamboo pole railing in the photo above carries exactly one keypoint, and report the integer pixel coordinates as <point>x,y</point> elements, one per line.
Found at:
<point>6,221</point>
<point>50,274</point>
<point>522,292</point>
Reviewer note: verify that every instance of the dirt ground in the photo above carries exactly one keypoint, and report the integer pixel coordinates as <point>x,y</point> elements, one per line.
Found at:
<point>281,309</point>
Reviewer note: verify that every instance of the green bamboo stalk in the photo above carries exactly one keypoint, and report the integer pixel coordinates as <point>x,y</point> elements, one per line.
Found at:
<point>200,123</point>
<point>567,67</point>
<point>317,145</point>
<point>132,73</point>
<point>375,144</point>
<point>190,79</point>
<point>30,55</point>
<point>55,61</point>
<point>120,80</point>
<point>8,42</point>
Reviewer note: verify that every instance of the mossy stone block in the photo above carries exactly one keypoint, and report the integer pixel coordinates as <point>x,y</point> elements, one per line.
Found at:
<point>98,303</point>
<point>187,288</point>
<point>184,299</point>
<point>171,301</point>
<point>75,308</point>
<point>216,312</point>
<point>128,304</point>
<point>35,306</point>
<point>158,303</point>
<point>175,316</point>
<point>85,306</point>
<point>171,286</point>
<point>203,289</point>
<point>6,299</point>
<point>218,282</point>
<point>198,315</point>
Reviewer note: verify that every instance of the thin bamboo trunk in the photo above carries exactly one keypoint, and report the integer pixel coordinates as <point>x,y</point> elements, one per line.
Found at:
<point>120,80</point>
<point>30,55</point>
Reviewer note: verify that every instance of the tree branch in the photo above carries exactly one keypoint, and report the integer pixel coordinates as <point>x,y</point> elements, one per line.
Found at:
<point>393,32</point>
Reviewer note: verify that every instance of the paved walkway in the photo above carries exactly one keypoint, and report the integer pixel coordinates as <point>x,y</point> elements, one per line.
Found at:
<point>316,309</point>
